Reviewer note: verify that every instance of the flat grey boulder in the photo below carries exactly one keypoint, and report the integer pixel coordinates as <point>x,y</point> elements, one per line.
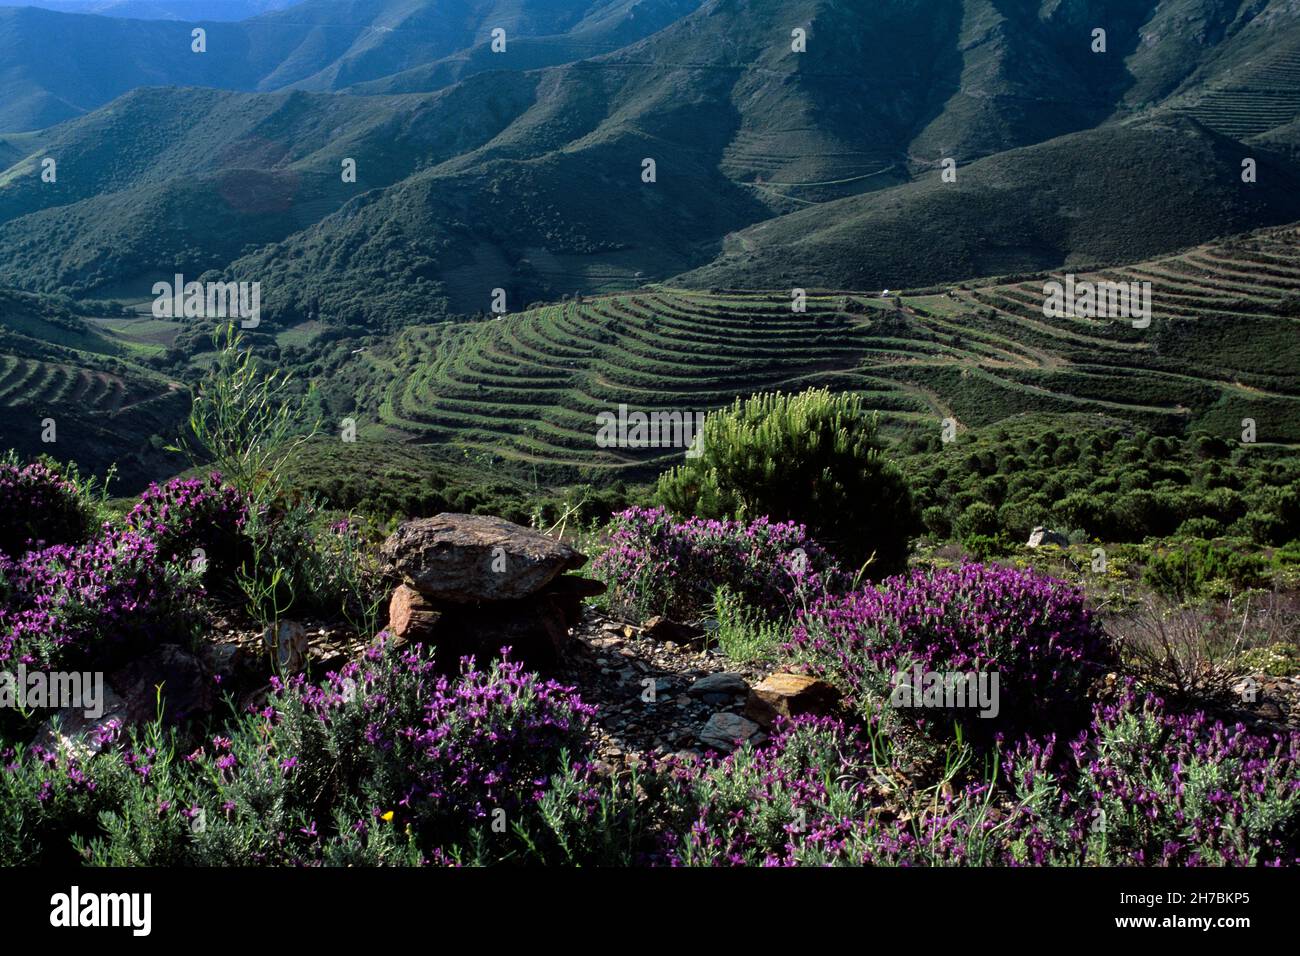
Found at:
<point>719,684</point>
<point>464,559</point>
<point>724,731</point>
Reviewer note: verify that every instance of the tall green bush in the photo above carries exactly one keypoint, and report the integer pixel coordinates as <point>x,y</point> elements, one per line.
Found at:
<point>814,458</point>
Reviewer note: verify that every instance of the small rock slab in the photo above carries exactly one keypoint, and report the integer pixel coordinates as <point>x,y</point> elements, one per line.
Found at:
<point>463,559</point>
<point>724,731</point>
<point>187,689</point>
<point>130,696</point>
<point>74,733</point>
<point>719,684</point>
<point>789,695</point>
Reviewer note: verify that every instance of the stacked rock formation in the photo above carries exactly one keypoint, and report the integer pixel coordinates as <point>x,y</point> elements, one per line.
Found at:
<point>472,584</point>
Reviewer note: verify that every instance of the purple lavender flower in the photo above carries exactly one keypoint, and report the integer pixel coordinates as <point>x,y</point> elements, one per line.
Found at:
<point>655,564</point>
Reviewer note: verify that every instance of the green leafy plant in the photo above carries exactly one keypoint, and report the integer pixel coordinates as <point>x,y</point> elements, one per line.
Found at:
<point>267,586</point>
<point>814,458</point>
<point>1191,569</point>
<point>353,579</point>
<point>246,420</point>
<point>745,634</point>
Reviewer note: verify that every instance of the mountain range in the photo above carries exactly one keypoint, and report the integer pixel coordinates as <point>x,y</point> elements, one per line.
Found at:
<point>479,170</point>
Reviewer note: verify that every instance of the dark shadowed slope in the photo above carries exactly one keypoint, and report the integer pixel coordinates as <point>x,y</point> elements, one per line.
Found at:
<point>1114,194</point>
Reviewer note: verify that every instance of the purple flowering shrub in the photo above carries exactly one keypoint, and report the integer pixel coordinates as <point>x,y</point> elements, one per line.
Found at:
<point>1141,787</point>
<point>194,513</point>
<point>351,581</point>
<point>386,763</point>
<point>1032,631</point>
<point>137,579</point>
<point>1146,787</point>
<point>40,506</point>
<point>797,799</point>
<point>388,744</point>
<point>46,796</point>
<point>655,564</point>
<point>383,762</point>
<point>489,740</point>
<point>133,803</point>
<point>64,602</point>
<point>129,583</point>
<point>814,795</point>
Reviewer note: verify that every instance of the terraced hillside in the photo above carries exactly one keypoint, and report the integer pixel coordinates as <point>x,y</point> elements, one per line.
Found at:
<point>58,363</point>
<point>1261,95</point>
<point>33,383</point>
<point>528,387</point>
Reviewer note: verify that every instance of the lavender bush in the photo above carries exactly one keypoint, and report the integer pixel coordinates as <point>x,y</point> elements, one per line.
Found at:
<point>194,513</point>
<point>655,564</point>
<point>385,757</point>
<point>1141,787</point>
<point>138,578</point>
<point>48,797</point>
<point>1146,787</point>
<point>814,795</point>
<point>800,798</point>
<point>291,785</point>
<point>65,602</point>
<point>40,506</point>
<point>1034,632</point>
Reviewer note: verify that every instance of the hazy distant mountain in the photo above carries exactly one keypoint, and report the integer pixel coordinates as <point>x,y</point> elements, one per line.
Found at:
<point>1115,194</point>
<point>763,144</point>
<point>163,9</point>
<point>58,65</point>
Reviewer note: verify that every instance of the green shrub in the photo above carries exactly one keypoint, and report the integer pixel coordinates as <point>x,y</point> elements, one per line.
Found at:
<point>245,420</point>
<point>745,634</point>
<point>983,547</point>
<point>302,562</point>
<point>814,458</point>
<point>1277,660</point>
<point>935,520</point>
<point>978,519</point>
<point>1188,570</point>
<point>1117,491</point>
<point>1200,528</point>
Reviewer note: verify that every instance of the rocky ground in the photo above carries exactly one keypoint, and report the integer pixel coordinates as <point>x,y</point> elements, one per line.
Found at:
<point>1266,703</point>
<point>657,696</point>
